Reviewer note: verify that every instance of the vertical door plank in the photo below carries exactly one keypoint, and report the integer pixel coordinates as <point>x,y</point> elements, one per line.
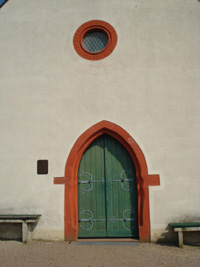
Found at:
<point>121,191</point>
<point>91,196</point>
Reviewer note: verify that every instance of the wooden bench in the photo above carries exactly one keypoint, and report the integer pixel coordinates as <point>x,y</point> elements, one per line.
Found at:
<point>24,219</point>
<point>184,227</point>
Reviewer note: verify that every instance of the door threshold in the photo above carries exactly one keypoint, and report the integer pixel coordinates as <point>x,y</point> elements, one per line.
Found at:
<point>109,242</point>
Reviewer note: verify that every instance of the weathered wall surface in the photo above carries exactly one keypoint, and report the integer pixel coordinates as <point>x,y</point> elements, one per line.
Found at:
<point>49,95</point>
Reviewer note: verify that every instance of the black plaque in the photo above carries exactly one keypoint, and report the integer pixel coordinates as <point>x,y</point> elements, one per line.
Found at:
<point>42,166</point>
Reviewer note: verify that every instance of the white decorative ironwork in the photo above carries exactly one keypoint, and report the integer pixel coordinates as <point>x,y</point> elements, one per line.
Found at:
<point>90,181</point>
<point>123,180</point>
<point>125,219</point>
<point>90,220</point>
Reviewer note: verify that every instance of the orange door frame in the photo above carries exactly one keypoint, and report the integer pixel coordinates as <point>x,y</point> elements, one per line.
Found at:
<point>70,180</point>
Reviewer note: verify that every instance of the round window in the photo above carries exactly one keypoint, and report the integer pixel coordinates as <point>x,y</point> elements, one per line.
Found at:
<point>95,40</point>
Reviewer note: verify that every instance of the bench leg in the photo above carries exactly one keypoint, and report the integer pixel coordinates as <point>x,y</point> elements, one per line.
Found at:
<point>24,232</point>
<point>29,232</point>
<point>180,238</point>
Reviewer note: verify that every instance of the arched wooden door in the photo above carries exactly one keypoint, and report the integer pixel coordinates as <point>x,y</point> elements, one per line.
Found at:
<point>107,191</point>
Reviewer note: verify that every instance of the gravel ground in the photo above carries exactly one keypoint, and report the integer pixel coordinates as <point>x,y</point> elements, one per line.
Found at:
<point>13,253</point>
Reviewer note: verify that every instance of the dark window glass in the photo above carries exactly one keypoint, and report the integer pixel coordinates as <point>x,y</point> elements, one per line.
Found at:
<point>95,41</point>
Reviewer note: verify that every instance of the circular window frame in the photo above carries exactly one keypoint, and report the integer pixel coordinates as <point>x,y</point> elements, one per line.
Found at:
<point>94,25</point>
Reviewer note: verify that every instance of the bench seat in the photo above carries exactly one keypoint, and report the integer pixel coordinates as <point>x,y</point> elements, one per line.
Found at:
<point>24,219</point>
<point>184,227</point>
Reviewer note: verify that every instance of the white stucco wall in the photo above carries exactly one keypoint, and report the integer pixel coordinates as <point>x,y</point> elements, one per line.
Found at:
<point>149,85</point>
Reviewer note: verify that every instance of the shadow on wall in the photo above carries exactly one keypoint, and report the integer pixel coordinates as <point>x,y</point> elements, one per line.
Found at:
<point>168,237</point>
<point>171,238</point>
<point>13,231</point>
<point>9,231</point>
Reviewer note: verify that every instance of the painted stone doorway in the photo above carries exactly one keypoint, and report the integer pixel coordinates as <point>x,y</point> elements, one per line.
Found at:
<point>107,191</point>
<point>70,179</point>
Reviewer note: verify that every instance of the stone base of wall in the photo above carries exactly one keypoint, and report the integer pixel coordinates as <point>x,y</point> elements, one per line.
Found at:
<point>168,236</point>
<point>51,235</point>
<point>9,231</point>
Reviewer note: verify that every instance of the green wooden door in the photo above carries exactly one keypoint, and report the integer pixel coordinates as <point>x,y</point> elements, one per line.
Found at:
<point>107,193</point>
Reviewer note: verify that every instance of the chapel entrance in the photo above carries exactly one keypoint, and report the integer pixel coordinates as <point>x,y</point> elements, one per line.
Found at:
<point>107,191</point>
<point>116,195</point>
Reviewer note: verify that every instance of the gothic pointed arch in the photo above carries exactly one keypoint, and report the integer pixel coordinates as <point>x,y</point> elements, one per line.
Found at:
<point>144,180</point>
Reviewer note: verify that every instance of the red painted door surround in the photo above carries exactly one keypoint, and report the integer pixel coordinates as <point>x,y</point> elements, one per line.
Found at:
<point>70,180</point>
